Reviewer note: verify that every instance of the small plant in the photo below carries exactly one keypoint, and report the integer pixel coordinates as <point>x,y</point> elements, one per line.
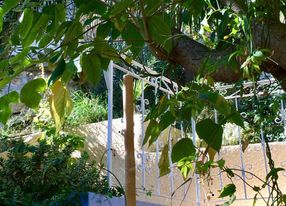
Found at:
<point>86,109</point>
<point>47,173</point>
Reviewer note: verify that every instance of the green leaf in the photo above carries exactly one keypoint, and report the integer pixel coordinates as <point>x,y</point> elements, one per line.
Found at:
<point>88,6</point>
<point>228,190</point>
<point>5,101</point>
<point>103,49</point>
<point>9,4</point>
<point>232,198</point>
<point>57,73</point>
<point>19,58</point>
<point>152,130</point>
<point>165,120</point>
<point>210,132</point>
<point>229,172</point>
<point>164,163</point>
<point>73,34</point>
<point>91,65</point>
<point>221,163</point>
<point>133,37</point>
<point>27,22</point>
<point>152,6</point>
<point>104,29</point>
<point>30,94</point>
<point>40,24</point>
<point>1,19</point>
<point>60,104</point>
<point>160,32</point>
<point>183,148</point>
<point>218,101</point>
<point>70,70</point>
<point>236,118</point>
<point>62,30</point>
<point>57,15</point>
<point>45,40</point>
<point>119,7</point>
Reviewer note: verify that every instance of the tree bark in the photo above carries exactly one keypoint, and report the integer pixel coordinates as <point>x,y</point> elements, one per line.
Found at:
<point>192,55</point>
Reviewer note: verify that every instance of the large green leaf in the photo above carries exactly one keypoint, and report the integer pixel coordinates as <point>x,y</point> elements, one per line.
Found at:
<point>19,58</point>
<point>164,163</point>
<point>60,104</point>
<point>57,15</point>
<point>103,30</point>
<point>9,4</point>
<point>72,35</point>
<point>30,94</point>
<point>38,26</point>
<point>160,32</point>
<point>120,7</point>
<point>210,132</point>
<point>153,131</point>
<point>69,72</point>
<point>228,190</point>
<point>94,6</point>
<point>103,49</point>
<point>26,23</point>
<point>182,149</point>
<point>91,65</point>
<point>133,37</point>
<point>5,101</point>
<point>216,100</point>
<point>152,6</point>
<point>57,73</point>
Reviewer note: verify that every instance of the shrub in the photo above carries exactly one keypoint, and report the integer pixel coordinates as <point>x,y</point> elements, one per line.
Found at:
<point>47,173</point>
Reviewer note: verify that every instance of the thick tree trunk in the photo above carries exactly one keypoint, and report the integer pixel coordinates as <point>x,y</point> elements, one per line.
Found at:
<point>194,56</point>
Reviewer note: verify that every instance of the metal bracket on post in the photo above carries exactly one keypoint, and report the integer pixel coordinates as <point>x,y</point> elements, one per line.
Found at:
<point>108,76</point>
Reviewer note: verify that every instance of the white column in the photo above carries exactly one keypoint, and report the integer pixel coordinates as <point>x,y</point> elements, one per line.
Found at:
<point>108,76</point>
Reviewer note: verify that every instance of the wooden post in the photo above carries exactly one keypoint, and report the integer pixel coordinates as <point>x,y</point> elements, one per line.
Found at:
<point>130,173</point>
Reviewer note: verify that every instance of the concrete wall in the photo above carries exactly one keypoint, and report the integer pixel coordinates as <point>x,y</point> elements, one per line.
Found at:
<point>253,160</point>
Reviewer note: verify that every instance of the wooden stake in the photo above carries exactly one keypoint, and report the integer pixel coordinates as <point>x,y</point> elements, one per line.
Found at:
<point>130,172</point>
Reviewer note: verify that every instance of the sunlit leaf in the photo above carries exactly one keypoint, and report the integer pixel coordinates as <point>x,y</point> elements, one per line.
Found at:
<point>30,94</point>
<point>9,4</point>
<point>27,22</point>
<point>60,104</point>
<point>35,29</point>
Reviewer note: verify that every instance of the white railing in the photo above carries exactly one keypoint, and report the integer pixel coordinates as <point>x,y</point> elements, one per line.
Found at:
<point>168,87</point>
